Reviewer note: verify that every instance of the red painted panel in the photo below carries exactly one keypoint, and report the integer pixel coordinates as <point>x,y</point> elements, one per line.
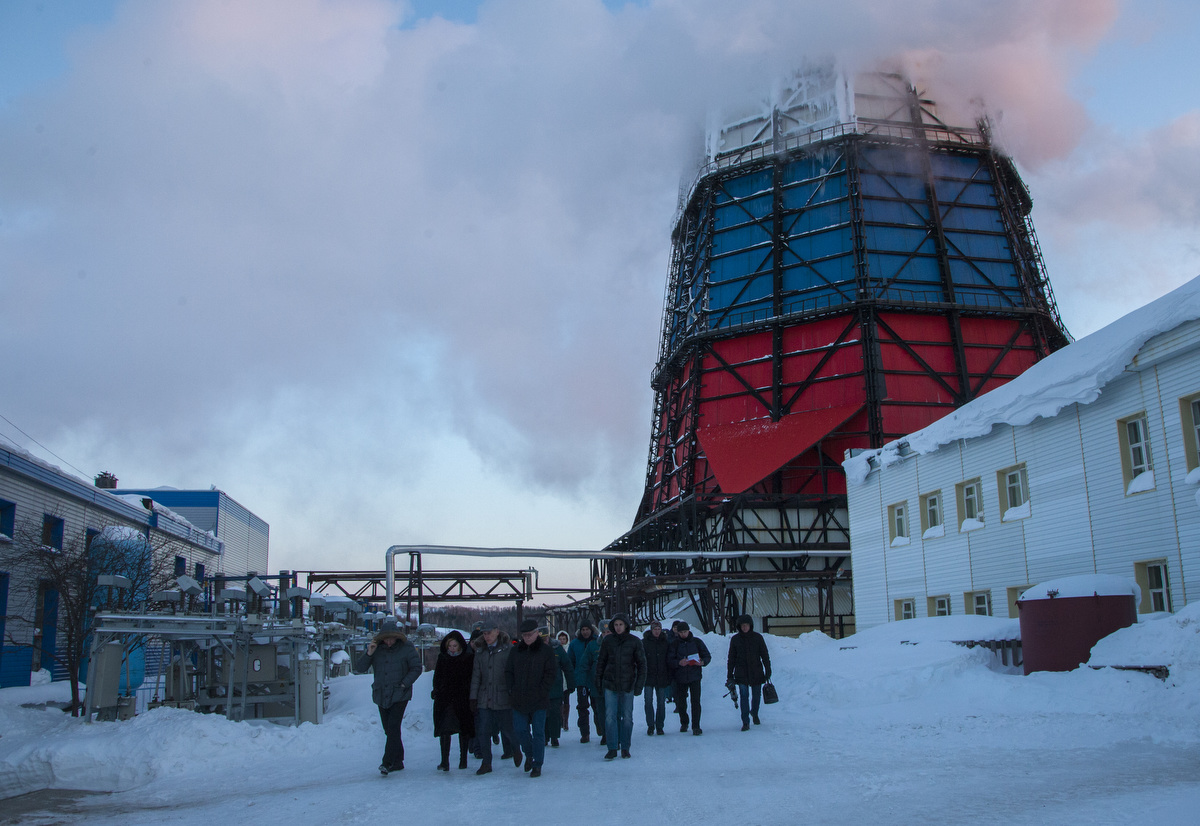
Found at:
<point>817,333</point>
<point>743,453</point>
<point>996,331</point>
<point>917,327</point>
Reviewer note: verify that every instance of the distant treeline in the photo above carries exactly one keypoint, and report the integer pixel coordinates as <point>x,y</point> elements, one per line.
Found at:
<point>464,616</point>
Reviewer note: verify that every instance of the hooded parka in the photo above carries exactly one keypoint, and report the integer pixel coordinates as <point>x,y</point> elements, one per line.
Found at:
<point>749,662</point>
<point>396,666</point>
<point>488,688</point>
<point>452,689</point>
<point>621,663</point>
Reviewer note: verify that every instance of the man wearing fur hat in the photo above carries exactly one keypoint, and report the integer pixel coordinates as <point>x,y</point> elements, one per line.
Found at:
<point>530,673</point>
<point>396,665</point>
<point>489,693</point>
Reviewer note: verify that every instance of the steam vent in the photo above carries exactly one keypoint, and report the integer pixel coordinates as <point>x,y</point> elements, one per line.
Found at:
<point>846,269</point>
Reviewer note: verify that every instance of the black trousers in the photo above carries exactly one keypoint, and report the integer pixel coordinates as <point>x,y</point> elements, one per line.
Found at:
<point>393,750</point>
<point>682,690</point>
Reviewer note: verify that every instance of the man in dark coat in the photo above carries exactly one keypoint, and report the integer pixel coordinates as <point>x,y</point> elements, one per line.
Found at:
<point>396,665</point>
<point>621,673</point>
<point>749,666</point>
<point>583,656</point>
<point>687,661</point>
<point>530,674</point>
<point>657,646</point>
<point>489,693</point>
<point>452,698</point>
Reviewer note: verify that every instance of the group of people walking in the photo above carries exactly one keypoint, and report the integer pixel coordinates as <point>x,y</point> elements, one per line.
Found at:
<point>488,689</point>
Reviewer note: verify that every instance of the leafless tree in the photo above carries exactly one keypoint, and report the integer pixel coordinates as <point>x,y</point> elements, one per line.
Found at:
<point>72,571</point>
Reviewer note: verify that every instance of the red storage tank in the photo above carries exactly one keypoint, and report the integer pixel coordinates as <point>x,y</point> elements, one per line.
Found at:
<point>1062,619</point>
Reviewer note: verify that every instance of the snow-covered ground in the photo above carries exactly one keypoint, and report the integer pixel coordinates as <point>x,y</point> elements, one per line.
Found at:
<point>892,725</point>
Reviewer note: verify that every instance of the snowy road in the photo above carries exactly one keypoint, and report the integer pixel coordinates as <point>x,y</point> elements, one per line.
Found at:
<point>887,733</point>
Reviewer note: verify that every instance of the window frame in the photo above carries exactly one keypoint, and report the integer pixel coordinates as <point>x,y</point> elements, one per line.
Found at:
<point>971,600</point>
<point>8,518</point>
<point>53,531</point>
<point>1131,468</point>
<point>974,487</point>
<point>1004,489</point>
<point>898,522</point>
<point>1189,418</point>
<point>937,603</point>
<point>1142,573</point>
<point>934,499</point>
<point>904,606</point>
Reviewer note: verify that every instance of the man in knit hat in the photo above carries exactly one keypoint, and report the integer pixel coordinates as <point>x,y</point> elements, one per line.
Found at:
<point>530,673</point>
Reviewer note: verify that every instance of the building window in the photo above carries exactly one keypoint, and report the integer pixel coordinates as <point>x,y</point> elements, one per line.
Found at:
<point>970,504</point>
<point>180,566</point>
<point>1156,590</point>
<point>898,523</point>
<point>931,515</point>
<point>905,609</point>
<point>1014,594</point>
<point>939,606</point>
<point>8,520</point>
<point>52,532</point>
<point>1013,486</point>
<point>979,602</point>
<point>1189,415</point>
<point>1137,465</point>
<point>200,572</point>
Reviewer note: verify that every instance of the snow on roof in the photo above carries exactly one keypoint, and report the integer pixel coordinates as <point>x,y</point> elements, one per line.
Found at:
<point>1086,585</point>
<point>1073,375</point>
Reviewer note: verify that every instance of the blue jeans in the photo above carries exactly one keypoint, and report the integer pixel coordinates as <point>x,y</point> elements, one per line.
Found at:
<point>492,720</point>
<point>744,697</point>
<point>656,719</point>
<point>618,719</point>
<point>531,734</point>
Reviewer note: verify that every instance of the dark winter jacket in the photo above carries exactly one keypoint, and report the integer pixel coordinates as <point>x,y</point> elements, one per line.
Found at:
<point>396,666</point>
<point>530,674</point>
<point>583,658</point>
<point>488,687</point>
<point>452,690</point>
<point>748,663</point>
<point>621,663</point>
<point>658,671</point>
<point>680,651</point>
<point>564,676</point>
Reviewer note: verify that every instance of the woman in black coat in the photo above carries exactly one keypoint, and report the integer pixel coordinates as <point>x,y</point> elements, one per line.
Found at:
<point>452,698</point>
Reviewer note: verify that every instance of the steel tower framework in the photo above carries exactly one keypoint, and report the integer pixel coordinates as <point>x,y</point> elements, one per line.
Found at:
<point>846,269</point>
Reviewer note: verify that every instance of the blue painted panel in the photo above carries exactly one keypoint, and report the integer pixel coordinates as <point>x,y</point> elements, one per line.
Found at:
<point>914,213</point>
<point>180,498</point>
<point>744,185</point>
<point>955,166</point>
<point>960,217</point>
<point>16,666</point>
<point>917,268</point>
<point>978,246</point>
<point>740,265</point>
<point>731,215</point>
<point>823,190</point>
<point>732,240</point>
<point>957,192</point>
<point>821,244</point>
<point>899,239</point>
<point>893,186</point>
<point>818,216</point>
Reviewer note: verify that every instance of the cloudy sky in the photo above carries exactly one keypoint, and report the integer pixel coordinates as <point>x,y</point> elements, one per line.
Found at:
<point>392,272</point>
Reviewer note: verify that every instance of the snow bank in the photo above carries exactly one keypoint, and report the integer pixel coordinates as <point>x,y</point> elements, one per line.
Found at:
<point>1086,585</point>
<point>1074,375</point>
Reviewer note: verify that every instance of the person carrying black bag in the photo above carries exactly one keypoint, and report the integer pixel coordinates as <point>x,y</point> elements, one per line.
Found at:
<point>748,667</point>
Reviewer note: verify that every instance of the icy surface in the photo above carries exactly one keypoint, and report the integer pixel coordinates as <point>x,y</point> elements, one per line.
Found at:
<point>1074,375</point>
<point>1087,746</point>
<point>934,532</point>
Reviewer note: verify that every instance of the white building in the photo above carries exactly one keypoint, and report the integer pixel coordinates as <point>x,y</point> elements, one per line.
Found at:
<point>245,536</point>
<point>1087,463</point>
<point>42,501</point>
